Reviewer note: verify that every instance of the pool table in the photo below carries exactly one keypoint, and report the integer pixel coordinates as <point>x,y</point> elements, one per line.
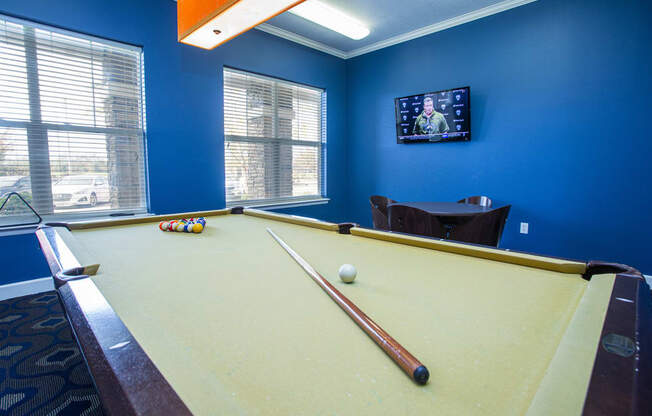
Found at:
<point>226,322</point>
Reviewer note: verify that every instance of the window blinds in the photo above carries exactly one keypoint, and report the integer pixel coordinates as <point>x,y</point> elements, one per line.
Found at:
<point>71,120</point>
<point>274,140</point>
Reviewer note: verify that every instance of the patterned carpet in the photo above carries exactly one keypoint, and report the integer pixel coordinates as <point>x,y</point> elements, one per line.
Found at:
<point>42,371</point>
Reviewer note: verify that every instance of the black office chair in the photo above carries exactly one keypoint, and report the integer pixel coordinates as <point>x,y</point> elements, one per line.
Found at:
<point>486,228</point>
<point>483,201</point>
<point>379,211</point>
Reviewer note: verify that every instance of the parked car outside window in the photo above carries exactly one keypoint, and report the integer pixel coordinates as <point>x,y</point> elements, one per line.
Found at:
<point>74,190</point>
<point>19,184</point>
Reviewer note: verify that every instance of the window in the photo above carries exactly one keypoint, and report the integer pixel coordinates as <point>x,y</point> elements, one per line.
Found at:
<point>275,140</point>
<point>71,120</point>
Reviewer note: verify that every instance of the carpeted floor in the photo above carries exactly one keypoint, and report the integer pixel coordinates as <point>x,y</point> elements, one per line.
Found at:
<point>42,371</point>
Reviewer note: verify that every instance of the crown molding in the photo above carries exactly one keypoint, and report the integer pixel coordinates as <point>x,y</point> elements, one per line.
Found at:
<point>395,40</point>
<point>282,33</point>
<point>438,27</point>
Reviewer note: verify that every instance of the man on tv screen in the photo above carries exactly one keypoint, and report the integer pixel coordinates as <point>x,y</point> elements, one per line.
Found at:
<point>430,121</point>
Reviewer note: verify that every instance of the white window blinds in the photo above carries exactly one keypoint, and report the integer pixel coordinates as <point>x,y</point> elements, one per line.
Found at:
<point>71,120</point>
<point>275,140</point>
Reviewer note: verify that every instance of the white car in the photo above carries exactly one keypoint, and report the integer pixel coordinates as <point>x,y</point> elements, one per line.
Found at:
<point>20,184</point>
<point>75,190</point>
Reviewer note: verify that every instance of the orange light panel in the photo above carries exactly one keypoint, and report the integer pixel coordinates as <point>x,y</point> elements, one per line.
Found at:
<point>209,23</point>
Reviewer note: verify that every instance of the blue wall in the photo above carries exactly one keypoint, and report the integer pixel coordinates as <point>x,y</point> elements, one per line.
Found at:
<point>185,103</point>
<point>560,97</point>
<point>561,105</point>
<point>183,86</point>
<point>21,258</point>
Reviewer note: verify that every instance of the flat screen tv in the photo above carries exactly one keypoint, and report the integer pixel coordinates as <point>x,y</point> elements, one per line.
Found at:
<point>442,116</point>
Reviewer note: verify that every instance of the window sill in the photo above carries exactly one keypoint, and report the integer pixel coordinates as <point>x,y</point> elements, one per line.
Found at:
<point>28,229</point>
<point>280,205</point>
<point>92,216</point>
<point>70,218</point>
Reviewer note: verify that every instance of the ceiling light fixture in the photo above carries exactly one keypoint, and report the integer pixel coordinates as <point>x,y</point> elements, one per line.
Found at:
<point>331,18</point>
<point>210,23</point>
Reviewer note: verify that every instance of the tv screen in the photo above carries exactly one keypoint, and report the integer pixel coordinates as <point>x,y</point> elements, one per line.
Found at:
<point>442,116</point>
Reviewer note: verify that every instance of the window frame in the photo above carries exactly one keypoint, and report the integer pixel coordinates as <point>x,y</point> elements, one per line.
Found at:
<point>321,144</point>
<point>37,125</point>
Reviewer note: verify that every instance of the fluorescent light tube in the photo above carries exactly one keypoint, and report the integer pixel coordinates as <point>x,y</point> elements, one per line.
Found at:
<point>331,18</point>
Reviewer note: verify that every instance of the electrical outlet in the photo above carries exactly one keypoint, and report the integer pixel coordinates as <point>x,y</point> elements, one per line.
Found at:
<point>525,228</point>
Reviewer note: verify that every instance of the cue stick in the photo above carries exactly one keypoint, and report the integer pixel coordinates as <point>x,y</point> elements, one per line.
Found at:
<point>412,367</point>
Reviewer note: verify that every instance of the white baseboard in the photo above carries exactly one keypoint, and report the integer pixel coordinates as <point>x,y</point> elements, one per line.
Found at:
<point>29,287</point>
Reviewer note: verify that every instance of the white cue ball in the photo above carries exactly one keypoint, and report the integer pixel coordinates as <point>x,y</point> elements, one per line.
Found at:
<point>347,273</point>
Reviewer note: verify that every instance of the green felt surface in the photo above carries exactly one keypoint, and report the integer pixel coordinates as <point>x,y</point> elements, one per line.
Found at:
<point>237,327</point>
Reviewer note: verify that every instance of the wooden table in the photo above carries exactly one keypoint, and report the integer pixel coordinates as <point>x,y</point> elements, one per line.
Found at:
<point>447,212</point>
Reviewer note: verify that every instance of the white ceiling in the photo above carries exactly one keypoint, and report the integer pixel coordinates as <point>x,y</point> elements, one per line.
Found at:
<point>390,22</point>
